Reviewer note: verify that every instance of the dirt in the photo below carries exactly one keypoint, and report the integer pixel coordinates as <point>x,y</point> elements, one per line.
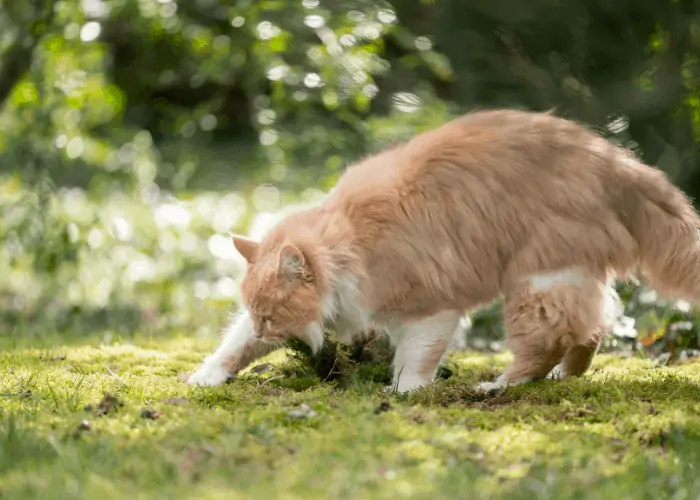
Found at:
<point>109,403</point>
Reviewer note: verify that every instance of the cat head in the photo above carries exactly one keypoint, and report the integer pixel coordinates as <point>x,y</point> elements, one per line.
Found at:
<point>281,292</point>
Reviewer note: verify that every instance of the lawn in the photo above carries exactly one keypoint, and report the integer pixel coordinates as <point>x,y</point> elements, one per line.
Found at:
<point>629,429</point>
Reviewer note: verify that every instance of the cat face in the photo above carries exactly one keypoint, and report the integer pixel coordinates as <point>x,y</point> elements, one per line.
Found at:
<point>280,293</point>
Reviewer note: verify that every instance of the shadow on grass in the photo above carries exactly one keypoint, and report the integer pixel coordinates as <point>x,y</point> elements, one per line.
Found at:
<point>665,469</point>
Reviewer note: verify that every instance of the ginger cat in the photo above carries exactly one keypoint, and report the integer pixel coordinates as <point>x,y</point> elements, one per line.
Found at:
<point>527,205</point>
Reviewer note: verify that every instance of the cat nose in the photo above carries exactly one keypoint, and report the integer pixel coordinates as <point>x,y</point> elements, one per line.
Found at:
<point>257,334</point>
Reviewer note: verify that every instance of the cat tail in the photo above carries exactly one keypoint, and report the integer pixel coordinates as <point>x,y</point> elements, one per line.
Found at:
<point>666,227</point>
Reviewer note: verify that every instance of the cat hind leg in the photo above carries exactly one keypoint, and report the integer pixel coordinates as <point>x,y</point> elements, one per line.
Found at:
<point>552,320</point>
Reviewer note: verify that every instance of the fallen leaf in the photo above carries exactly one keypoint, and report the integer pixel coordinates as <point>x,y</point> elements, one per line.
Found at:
<point>151,414</point>
<point>383,406</point>
<point>262,368</point>
<point>108,404</point>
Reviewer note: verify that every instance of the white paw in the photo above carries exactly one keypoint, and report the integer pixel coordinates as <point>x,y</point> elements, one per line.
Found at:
<point>557,373</point>
<point>489,386</point>
<point>500,383</point>
<point>497,384</point>
<point>209,374</point>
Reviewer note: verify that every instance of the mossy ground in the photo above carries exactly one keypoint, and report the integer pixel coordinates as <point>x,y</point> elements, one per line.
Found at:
<point>629,429</point>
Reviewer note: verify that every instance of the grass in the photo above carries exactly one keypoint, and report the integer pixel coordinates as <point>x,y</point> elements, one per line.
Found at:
<point>630,429</point>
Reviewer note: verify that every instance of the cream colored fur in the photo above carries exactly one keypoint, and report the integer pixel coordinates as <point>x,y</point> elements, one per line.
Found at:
<point>525,205</point>
<point>239,346</point>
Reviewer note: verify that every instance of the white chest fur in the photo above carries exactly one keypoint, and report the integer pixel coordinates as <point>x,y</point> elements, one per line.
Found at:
<point>344,309</point>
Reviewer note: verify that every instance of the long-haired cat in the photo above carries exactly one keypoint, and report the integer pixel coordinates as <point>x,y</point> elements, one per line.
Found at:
<point>526,205</point>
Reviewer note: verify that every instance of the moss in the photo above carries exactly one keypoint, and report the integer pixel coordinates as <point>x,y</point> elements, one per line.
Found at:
<point>628,428</point>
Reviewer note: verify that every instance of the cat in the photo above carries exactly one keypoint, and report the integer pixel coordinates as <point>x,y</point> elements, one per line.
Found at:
<point>525,205</point>
<point>228,365</point>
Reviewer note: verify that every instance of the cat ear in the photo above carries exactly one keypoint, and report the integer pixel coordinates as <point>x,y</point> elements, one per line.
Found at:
<point>246,247</point>
<point>292,262</point>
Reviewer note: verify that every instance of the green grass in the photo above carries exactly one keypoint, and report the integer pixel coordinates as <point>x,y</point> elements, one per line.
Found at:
<point>630,429</point>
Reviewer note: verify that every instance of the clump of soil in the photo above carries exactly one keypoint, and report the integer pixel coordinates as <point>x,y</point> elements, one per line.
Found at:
<point>368,359</point>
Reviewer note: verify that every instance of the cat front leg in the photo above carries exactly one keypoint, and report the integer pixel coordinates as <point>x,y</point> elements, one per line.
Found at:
<point>238,349</point>
<point>420,345</point>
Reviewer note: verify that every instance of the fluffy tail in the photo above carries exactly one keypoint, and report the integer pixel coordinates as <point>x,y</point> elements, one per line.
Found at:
<point>666,226</point>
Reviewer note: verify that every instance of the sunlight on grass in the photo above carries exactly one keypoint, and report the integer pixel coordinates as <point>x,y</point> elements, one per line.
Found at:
<point>628,424</point>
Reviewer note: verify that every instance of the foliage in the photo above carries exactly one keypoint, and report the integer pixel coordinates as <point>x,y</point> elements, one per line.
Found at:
<point>207,81</point>
<point>192,95</point>
<point>119,264</point>
<point>135,135</point>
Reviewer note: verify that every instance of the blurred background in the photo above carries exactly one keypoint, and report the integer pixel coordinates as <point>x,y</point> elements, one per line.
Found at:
<point>135,135</point>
